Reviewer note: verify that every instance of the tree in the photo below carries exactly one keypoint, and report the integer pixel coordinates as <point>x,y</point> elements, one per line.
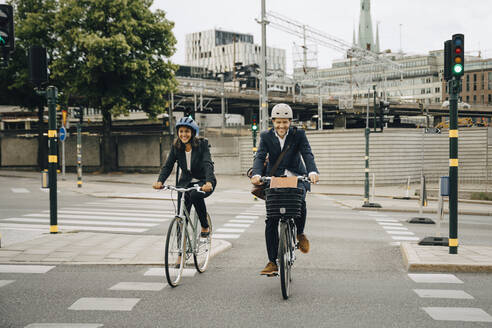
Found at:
<point>114,54</point>
<point>33,21</point>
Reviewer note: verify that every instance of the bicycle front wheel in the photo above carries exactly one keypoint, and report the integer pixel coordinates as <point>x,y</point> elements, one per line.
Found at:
<point>174,257</point>
<point>203,248</point>
<point>284,255</point>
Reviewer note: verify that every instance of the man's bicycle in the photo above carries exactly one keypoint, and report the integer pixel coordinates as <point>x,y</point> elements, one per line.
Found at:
<point>285,204</point>
<point>184,241</point>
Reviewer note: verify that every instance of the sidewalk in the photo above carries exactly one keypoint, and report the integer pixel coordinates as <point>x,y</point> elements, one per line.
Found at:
<point>94,248</point>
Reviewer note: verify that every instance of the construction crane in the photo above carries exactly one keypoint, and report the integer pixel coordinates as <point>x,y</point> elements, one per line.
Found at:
<point>361,73</point>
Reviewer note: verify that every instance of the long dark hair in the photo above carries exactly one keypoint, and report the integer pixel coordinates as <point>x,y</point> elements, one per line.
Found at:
<point>194,141</point>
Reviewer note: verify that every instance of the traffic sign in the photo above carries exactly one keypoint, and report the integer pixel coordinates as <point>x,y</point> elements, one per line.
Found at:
<point>432,131</point>
<point>63,133</point>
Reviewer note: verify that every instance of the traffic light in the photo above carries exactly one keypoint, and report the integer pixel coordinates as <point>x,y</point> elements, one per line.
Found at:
<point>447,60</point>
<point>458,55</point>
<point>6,27</point>
<point>79,113</point>
<point>254,124</point>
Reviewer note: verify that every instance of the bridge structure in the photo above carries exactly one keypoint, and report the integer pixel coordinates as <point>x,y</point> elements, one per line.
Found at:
<point>209,96</point>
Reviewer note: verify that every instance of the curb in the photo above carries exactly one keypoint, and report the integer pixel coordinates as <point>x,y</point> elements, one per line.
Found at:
<point>404,210</point>
<point>412,263</point>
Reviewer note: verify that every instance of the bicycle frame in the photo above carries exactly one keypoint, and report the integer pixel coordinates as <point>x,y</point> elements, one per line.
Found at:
<point>190,243</point>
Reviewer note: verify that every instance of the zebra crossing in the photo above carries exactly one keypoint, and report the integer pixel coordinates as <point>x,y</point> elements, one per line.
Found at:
<point>112,215</point>
<point>234,227</point>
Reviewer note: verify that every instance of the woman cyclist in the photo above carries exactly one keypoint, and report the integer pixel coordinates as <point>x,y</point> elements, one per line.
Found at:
<point>193,156</point>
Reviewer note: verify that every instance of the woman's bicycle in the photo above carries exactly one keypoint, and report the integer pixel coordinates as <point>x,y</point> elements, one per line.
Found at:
<point>184,241</point>
<point>285,204</point>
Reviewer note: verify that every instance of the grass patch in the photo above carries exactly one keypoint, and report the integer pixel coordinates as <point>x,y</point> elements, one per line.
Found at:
<point>481,195</point>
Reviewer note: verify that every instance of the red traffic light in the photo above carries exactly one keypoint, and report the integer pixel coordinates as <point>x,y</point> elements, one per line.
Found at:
<point>457,50</point>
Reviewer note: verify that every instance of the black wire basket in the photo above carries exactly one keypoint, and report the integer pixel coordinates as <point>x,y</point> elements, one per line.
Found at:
<point>289,199</point>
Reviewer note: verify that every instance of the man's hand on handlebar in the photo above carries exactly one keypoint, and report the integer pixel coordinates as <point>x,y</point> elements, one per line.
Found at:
<point>314,178</point>
<point>157,185</point>
<point>256,180</point>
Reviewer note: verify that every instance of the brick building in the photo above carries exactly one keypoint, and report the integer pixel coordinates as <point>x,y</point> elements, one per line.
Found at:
<point>477,83</point>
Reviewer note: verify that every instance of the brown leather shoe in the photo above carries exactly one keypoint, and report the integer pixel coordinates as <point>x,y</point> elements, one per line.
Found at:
<point>270,269</point>
<point>303,243</point>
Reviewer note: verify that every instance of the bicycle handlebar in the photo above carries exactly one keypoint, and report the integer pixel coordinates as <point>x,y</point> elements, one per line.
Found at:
<point>299,178</point>
<point>195,187</point>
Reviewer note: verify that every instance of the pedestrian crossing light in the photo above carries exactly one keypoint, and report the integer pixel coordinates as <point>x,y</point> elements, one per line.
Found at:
<point>6,27</point>
<point>458,54</point>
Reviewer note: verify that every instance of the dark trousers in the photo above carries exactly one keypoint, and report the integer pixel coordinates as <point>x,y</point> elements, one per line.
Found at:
<point>271,228</point>
<point>197,199</point>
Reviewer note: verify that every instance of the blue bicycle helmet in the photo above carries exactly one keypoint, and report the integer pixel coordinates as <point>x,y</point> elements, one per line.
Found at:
<point>188,122</point>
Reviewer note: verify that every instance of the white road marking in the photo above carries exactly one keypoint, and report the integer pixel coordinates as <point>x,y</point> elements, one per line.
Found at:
<point>113,213</point>
<point>236,225</point>
<point>439,278</point>
<point>88,222</point>
<point>458,314</point>
<point>70,227</point>
<point>242,221</point>
<point>64,325</point>
<point>386,220</point>
<point>104,304</point>
<point>5,282</point>
<point>395,243</point>
<point>408,233</point>
<point>394,228</point>
<point>229,230</point>
<point>390,224</point>
<point>443,293</point>
<point>99,217</point>
<point>251,217</point>
<point>404,238</point>
<point>225,236</point>
<point>9,268</point>
<point>147,286</point>
<point>20,190</point>
<point>160,272</point>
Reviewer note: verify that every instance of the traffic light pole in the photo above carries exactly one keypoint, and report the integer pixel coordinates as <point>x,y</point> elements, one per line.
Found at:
<point>263,66</point>
<point>454,87</point>
<point>52,95</point>
<point>79,153</point>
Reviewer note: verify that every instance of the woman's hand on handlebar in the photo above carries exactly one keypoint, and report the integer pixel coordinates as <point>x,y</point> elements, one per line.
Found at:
<point>207,187</point>
<point>157,185</point>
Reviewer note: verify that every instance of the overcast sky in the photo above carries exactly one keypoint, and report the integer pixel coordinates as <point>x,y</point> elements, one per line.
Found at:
<point>426,24</point>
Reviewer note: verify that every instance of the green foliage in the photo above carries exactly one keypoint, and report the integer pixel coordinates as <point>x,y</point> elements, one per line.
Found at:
<point>34,20</point>
<point>481,196</point>
<point>114,53</point>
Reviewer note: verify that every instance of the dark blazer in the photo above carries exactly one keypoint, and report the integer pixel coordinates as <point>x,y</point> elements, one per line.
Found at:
<point>202,167</point>
<point>269,144</point>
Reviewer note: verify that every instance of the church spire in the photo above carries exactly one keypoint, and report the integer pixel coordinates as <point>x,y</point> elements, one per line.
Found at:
<point>366,39</point>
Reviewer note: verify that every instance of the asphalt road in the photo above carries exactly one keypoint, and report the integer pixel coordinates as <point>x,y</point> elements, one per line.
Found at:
<point>353,276</point>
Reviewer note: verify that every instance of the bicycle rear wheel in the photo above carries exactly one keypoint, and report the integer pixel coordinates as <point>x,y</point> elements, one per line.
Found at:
<point>201,255</point>
<point>174,257</point>
<point>284,256</point>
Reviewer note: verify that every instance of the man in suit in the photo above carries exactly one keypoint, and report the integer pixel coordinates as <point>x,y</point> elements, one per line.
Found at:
<point>272,142</point>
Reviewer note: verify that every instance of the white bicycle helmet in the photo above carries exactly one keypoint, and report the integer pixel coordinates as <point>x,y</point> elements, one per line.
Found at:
<point>282,111</point>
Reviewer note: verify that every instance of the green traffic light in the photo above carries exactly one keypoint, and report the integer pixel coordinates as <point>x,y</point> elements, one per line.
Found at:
<point>457,69</point>
<point>254,127</point>
<point>2,41</point>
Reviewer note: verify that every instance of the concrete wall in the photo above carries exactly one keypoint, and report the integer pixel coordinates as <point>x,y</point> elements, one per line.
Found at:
<point>395,155</point>
<point>19,151</point>
<point>139,151</point>
<point>90,151</point>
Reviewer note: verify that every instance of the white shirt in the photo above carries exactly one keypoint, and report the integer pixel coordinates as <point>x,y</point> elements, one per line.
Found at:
<point>282,143</point>
<point>188,163</point>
